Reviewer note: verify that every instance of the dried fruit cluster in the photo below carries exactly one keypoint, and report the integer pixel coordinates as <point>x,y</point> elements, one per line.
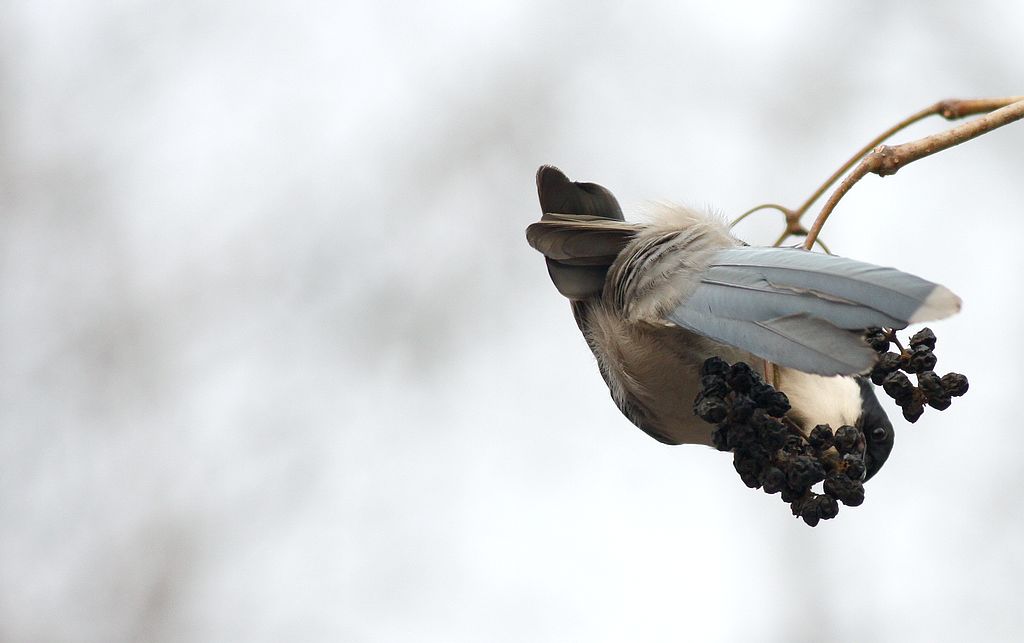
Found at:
<point>770,451</point>
<point>891,370</point>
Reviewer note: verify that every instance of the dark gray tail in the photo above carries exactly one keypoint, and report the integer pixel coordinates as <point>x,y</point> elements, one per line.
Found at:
<point>580,233</point>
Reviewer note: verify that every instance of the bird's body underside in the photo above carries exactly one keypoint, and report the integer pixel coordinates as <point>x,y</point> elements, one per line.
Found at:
<point>655,299</point>
<point>634,360</point>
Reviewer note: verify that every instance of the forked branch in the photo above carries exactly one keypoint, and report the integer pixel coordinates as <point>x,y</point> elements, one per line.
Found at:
<point>885,160</point>
<point>892,158</point>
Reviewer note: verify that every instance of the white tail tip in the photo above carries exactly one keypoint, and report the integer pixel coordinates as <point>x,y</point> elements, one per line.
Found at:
<point>939,304</point>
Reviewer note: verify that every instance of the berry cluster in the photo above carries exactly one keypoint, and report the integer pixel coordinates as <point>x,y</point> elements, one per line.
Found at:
<point>890,372</point>
<point>770,451</point>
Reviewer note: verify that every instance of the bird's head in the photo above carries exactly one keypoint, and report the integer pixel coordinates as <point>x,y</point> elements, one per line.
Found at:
<point>878,431</point>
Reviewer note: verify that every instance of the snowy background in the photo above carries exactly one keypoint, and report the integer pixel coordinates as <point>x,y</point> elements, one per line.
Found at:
<point>277,364</point>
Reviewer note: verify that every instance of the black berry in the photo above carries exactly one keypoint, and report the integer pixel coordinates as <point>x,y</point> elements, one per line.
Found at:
<point>854,465</point>
<point>820,437</point>
<point>844,489</point>
<point>742,409</point>
<point>897,386</point>
<point>741,377</point>
<point>876,339</point>
<point>913,410</point>
<point>921,359</point>
<point>804,472</point>
<point>924,337</point>
<point>773,480</point>
<point>954,384</point>
<point>846,439</point>
<point>715,366</point>
<point>711,409</point>
<point>714,386</point>
<point>931,385</point>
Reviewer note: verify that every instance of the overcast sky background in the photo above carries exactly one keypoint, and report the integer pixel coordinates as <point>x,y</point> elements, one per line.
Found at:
<point>277,364</point>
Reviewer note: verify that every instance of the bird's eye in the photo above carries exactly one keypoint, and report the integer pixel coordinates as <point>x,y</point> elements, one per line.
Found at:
<point>878,433</point>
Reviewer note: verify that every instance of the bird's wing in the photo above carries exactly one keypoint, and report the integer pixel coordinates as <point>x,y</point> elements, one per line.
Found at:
<point>798,309</point>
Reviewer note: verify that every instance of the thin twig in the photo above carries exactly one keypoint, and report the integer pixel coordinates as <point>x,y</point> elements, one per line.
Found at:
<point>890,334</point>
<point>950,109</point>
<point>885,160</point>
<point>763,206</point>
<point>803,233</point>
<point>782,237</point>
<point>905,123</point>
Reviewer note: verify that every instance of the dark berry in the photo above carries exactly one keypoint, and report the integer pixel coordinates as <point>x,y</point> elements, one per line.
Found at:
<point>876,339</point>
<point>940,403</point>
<point>913,410</point>
<point>740,435</point>
<point>741,409</point>
<point>777,405</point>
<point>804,472</point>
<point>714,366</point>
<point>828,508</point>
<point>789,494</point>
<point>760,392</point>
<point>921,359</point>
<point>954,384</point>
<point>741,377</point>
<point>889,362</point>
<point>809,514</point>
<point>749,467</point>
<point>830,460</point>
<point>886,364</point>
<point>714,386</point>
<point>846,439</point>
<point>897,386</point>
<point>930,384</point>
<point>844,489</point>
<point>854,466</point>
<point>813,508</point>
<point>770,432</point>
<point>742,462</point>
<point>794,444</point>
<point>759,455</point>
<point>720,438</point>
<point>758,418</point>
<point>820,437</point>
<point>711,409</point>
<point>750,480</point>
<point>773,480</point>
<point>774,402</point>
<point>924,337</point>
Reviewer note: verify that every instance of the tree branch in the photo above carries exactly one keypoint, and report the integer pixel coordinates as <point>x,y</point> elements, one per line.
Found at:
<point>885,160</point>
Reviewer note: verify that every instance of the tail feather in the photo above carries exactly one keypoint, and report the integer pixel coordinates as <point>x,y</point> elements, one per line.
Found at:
<point>558,194</point>
<point>579,240</point>
<point>580,233</point>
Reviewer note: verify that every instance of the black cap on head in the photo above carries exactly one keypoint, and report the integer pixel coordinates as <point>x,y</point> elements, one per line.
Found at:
<point>878,432</point>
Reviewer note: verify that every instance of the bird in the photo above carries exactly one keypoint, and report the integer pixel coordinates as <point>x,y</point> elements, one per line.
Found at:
<point>654,299</point>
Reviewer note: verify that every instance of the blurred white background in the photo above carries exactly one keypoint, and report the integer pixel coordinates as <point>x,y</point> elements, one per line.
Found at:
<point>277,364</point>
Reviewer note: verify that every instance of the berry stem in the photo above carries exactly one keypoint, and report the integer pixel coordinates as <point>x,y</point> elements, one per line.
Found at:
<point>890,334</point>
<point>792,427</point>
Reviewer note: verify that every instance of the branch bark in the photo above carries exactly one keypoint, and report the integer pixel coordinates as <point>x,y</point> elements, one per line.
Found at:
<point>885,160</point>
